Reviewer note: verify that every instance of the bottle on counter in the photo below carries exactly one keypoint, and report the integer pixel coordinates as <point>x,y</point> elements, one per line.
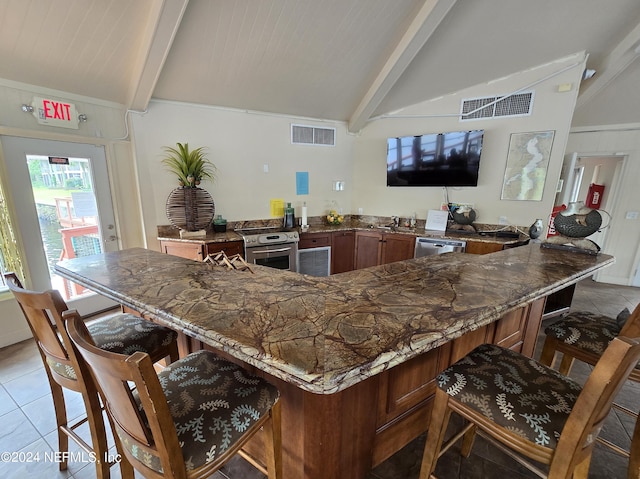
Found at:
<point>304,214</point>
<point>289,217</point>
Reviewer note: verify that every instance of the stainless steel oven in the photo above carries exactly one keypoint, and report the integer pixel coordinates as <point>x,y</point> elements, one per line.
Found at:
<point>272,247</point>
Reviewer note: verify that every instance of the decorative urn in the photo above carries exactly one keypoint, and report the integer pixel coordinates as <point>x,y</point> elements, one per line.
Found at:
<point>189,207</point>
<point>535,230</point>
<point>464,215</point>
<point>577,221</point>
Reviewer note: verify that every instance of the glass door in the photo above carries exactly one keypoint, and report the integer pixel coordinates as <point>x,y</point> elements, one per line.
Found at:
<point>62,196</point>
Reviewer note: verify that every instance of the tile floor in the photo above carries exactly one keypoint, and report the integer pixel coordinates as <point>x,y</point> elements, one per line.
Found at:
<point>28,426</point>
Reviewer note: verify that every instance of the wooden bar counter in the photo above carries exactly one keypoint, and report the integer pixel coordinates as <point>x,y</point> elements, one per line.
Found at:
<point>355,354</point>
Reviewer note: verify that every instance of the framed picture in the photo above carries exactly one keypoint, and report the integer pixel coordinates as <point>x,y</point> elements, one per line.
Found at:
<point>527,164</point>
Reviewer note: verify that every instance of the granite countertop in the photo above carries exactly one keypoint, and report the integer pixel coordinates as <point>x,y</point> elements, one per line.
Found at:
<point>485,236</point>
<point>168,233</point>
<point>324,334</point>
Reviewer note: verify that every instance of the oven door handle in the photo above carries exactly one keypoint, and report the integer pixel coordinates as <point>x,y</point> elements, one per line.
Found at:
<point>280,250</point>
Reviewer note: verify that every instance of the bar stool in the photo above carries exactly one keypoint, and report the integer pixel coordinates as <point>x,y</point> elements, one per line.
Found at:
<point>585,336</point>
<point>123,333</point>
<point>187,420</point>
<point>526,408</point>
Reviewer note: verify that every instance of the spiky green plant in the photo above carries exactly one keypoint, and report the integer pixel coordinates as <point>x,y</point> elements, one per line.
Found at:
<point>191,167</point>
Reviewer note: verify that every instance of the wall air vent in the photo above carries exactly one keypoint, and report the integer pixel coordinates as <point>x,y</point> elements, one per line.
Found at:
<point>518,104</point>
<point>311,135</point>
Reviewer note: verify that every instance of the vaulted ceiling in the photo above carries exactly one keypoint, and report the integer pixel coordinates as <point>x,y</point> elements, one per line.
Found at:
<point>344,60</point>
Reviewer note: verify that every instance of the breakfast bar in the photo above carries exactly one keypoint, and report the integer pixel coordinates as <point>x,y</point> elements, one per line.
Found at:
<point>354,354</point>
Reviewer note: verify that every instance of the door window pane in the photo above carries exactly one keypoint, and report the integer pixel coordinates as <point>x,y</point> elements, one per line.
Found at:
<point>67,213</point>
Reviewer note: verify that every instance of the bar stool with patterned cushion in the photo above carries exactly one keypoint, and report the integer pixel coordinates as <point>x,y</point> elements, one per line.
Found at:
<point>526,408</point>
<point>124,333</point>
<point>188,420</point>
<point>585,336</point>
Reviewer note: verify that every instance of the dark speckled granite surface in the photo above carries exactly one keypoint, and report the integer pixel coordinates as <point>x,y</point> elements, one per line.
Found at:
<point>326,333</point>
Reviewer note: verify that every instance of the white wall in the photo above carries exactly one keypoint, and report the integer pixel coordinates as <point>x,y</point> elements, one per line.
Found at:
<point>551,111</point>
<point>623,237</point>
<point>239,144</point>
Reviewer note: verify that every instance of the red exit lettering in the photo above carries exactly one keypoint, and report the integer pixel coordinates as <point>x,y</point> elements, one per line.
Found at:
<point>56,110</point>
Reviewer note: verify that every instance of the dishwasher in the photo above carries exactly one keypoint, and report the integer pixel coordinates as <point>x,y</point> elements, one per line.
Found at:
<point>431,246</point>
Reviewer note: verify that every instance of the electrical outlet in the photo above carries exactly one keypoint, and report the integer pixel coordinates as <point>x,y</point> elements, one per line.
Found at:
<point>631,215</point>
<point>503,220</point>
<point>265,168</point>
<point>360,211</point>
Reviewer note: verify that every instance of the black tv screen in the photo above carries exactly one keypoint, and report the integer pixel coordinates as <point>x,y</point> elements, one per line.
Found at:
<point>436,159</point>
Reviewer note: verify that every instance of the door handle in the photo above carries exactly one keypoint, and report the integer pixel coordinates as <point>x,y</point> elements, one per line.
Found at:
<point>281,250</point>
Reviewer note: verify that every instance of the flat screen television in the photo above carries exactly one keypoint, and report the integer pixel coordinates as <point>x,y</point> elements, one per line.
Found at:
<point>435,159</point>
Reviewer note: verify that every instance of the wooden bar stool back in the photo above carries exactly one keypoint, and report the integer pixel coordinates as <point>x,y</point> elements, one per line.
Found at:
<point>585,336</point>
<point>123,332</point>
<point>528,409</point>
<point>188,420</point>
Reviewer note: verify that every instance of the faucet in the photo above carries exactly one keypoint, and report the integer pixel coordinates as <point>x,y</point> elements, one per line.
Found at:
<point>396,222</point>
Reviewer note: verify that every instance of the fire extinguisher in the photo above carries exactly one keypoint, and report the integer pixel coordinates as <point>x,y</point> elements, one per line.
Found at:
<point>594,196</point>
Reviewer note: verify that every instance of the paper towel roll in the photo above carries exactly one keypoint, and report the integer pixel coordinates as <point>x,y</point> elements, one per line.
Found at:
<point>304,216</point>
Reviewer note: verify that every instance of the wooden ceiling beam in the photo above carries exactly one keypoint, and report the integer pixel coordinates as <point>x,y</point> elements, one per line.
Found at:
<point>156,45</point>
<point>419,31</point>
<point>617,61</point>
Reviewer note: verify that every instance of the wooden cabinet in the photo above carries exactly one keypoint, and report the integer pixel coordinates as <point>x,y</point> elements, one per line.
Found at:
<point>229,247</point>
<point>314,240</point>
<point>343,245</point>
<point>374,248</point>
<point>199,251</point>
<point>404,401</point>
<point>482,247</point>
<point>406,390</point>
<point>397,247</point>
<point>485,247</point>
<point>184,250</point>
<point>368,249</point>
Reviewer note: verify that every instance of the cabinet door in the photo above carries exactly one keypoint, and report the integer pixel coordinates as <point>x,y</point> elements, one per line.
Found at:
<point>314,240</point>
<point>510,329</point>
<point>343,244</point>
<point>397,247</point>
<point>182,249</point>
<point>481,247</point>
<point>368,249</point>
<point>230,248</point>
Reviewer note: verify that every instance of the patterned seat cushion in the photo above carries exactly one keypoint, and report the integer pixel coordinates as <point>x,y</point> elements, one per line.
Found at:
<point>123,334</point>
<point>588,331</point>
<point>127,333</point>
<point>514,391</point>
<point>213,402</point>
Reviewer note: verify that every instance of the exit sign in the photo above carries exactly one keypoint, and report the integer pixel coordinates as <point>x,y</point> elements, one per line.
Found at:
<point>55,113</point>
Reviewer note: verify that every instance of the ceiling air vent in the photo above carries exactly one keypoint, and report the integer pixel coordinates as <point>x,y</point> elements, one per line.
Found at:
<point>519,104</point>
<point>311,135</point>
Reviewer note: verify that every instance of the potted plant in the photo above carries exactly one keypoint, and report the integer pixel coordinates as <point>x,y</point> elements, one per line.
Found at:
<point>189,207</point>
<point>191,167</point>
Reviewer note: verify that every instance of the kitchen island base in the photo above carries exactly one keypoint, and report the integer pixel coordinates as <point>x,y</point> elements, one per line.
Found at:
<point>348,433</point>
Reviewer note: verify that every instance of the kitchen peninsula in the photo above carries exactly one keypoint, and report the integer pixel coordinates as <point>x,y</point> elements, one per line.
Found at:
<point>354,354</point>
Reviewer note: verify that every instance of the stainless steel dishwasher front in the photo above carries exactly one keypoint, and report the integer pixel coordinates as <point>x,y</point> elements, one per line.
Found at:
<point>430,246</point>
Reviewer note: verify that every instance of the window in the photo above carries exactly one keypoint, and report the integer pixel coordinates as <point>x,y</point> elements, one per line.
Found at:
<point>9,254</point>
